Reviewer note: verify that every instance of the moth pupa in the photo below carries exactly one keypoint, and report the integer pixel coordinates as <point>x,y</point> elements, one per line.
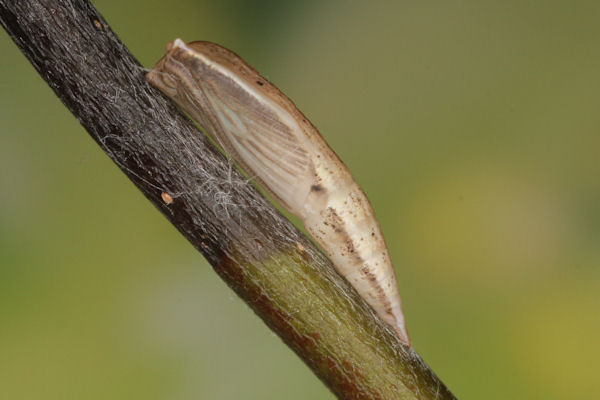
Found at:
<point>268,137</point>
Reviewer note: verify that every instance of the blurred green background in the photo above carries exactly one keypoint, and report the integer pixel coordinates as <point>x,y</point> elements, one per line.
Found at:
<point>474,128</point>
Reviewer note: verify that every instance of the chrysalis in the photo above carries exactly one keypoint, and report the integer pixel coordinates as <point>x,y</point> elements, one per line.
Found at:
<point>263,131</point>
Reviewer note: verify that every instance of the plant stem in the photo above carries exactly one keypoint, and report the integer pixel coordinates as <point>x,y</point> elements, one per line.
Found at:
<point>282,276</point>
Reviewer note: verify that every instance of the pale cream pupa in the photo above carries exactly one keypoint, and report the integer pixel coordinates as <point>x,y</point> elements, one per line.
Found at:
<point>269,138</point>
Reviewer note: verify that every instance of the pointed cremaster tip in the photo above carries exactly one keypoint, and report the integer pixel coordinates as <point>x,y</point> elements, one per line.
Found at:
<point>402,334</point>
<point>399,325</point>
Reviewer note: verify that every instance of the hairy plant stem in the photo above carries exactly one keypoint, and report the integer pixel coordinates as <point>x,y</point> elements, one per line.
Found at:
<point>282,276</point>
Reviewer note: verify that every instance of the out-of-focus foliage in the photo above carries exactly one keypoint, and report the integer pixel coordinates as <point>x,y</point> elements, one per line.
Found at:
<point>474,128</point>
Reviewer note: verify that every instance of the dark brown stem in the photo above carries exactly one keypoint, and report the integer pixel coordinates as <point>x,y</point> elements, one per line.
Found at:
<point>260,255</point>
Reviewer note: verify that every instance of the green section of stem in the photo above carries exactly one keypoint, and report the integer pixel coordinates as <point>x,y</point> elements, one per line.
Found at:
<point>321,317</point>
